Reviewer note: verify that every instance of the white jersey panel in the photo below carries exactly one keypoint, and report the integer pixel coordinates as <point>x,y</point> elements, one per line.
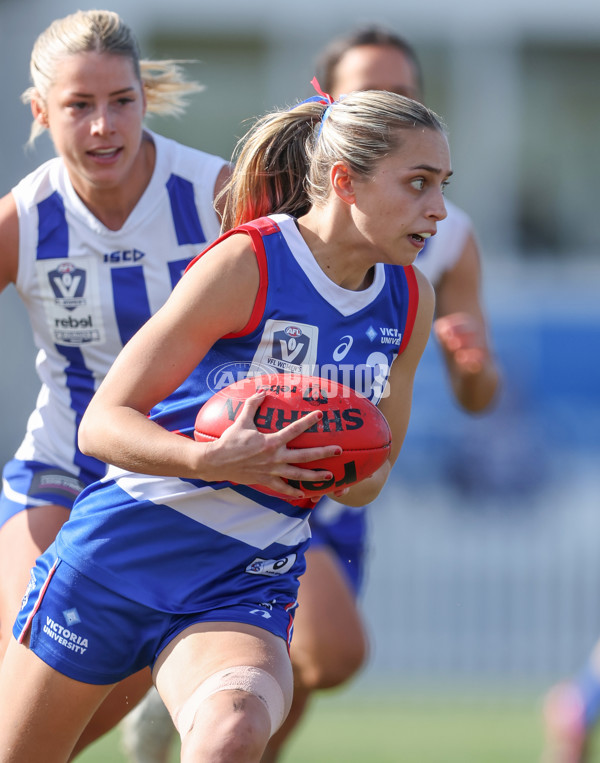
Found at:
<point>87,288</point>
<point>442,251</point>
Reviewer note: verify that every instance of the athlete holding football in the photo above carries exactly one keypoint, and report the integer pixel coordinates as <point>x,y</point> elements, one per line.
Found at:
<point>157,565</point>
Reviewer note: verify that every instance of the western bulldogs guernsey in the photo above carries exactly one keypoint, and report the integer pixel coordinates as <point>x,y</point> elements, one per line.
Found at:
<point>182,545</point>
<point>88,289</point>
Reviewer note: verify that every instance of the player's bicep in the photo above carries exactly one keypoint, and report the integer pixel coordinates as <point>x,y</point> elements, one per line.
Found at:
<point>9,241</point>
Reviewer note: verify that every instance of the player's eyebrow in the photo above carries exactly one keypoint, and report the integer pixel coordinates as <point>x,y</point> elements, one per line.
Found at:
<point>429,168</point>
<point>111,95</point>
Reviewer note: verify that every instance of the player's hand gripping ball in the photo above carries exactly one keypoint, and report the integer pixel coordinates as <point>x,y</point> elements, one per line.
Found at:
<point>349,420</point>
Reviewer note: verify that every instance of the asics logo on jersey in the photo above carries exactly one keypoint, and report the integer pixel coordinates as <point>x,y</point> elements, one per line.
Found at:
<point>343,348</point>
<point>124,255</point>
<point>271,567</point>
<point>260,612</point>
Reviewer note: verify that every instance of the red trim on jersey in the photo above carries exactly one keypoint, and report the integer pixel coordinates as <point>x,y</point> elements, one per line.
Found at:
<point>413,305</point>
<point>290,627</point>
<point>27,625</point>
<point>254,229</point>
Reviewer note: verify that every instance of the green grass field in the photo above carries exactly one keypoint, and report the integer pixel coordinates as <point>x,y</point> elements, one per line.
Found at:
<point>349,728</point>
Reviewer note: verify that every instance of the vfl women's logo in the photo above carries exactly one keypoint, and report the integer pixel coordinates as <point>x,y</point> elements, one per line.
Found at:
<point>290,345</point>
<point>68,284</point>
<point>287,347</point>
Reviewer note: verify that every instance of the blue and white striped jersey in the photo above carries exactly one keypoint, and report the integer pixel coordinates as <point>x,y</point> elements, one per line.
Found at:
<point>87,288</point>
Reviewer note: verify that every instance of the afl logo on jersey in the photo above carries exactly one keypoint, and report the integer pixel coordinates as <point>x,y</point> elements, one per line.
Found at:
<point>68,285</point>
<point>290,345</point>
<point>286,347</point>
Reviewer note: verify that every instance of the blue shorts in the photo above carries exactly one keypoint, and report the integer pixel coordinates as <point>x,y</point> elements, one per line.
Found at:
<point>27,484</point>
<point>96,636</point>
<point>342,529</point>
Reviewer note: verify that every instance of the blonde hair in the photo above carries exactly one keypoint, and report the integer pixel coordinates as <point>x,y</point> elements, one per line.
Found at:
<point>283,162</point>
<point>99,31</point>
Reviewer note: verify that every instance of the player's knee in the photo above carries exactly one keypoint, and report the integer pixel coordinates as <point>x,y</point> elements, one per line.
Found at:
<point>239,680</point>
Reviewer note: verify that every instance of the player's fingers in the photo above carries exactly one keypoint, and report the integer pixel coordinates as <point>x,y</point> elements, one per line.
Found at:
<point>250,407</point>
<point>297,474</point>
<point>303,455</point>
<point>296,428</point>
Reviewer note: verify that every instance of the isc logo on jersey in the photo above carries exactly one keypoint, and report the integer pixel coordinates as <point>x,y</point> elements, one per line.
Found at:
<point>124,255</point>
<point>68,284</point>
<point>271,567</point>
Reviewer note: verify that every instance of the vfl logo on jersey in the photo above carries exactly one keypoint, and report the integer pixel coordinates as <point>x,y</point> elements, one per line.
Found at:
<point>271,567</point>
<point>70,293</point>
<point>68,284</point>
<point>290,345</point>
<point>287,346</point>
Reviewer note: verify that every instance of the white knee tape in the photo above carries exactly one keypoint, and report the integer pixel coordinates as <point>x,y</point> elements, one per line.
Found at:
<point>242,678</point>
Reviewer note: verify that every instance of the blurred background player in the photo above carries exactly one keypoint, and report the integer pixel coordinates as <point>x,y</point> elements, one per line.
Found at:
<point>571,711</point>
<point>330,644</point>
<point>94,240</point>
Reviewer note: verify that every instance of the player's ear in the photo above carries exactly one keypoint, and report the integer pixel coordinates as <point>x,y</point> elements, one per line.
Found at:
<point>39,112</point>
<point>342,182</point>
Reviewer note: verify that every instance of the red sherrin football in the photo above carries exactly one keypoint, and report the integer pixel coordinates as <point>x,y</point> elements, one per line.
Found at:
<point>349,420</point>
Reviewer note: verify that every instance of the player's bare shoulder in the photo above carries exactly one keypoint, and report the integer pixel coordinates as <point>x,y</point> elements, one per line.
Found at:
<point>9,240</point>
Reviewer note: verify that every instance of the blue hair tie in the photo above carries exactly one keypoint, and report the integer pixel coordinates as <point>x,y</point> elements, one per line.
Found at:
<point>326,113</point>
<point>322,97</point>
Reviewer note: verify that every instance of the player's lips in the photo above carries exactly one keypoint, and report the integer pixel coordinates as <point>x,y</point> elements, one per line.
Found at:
<point>420,238</point>
<point>104,154</point>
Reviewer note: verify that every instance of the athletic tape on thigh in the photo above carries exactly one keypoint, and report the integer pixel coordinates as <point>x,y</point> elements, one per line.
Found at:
<point>243,678</point>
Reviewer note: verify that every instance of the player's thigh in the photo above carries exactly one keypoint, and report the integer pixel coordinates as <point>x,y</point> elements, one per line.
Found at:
<point>329,638</point>
<point>203,649</point>
<point>43,711</point>
<point>23,538</point>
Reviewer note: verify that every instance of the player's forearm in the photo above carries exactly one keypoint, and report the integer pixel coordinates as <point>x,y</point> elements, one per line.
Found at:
<point>475,392</point>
